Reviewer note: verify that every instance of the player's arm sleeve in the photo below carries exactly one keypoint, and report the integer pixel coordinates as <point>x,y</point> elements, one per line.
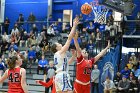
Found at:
<point>47,84</point>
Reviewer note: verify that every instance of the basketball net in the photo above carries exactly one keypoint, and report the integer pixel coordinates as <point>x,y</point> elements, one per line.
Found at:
<point>100,12</point>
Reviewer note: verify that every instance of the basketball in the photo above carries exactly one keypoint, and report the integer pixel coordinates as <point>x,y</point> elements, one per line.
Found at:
<point>86,9</point>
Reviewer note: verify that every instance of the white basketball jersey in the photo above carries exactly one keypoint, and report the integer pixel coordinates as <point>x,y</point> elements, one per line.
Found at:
<point>61,62</point>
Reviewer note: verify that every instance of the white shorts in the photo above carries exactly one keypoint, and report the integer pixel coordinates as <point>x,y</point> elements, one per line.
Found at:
<point>62,82</point>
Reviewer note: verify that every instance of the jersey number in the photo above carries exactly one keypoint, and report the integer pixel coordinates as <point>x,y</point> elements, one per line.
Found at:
<point>87,70</point>
<point>14,77</point>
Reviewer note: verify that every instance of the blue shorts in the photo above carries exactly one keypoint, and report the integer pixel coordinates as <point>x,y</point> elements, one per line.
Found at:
<point>62,82</point>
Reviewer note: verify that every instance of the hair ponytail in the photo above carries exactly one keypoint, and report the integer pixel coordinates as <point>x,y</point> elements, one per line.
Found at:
<point>12,62</point>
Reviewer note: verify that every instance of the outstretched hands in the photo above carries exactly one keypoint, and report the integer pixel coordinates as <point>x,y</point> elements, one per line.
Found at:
<point>76,21</point>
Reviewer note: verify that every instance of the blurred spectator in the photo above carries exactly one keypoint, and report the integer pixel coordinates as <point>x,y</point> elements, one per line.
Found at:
<point>95,79</point>
<point>108,86</point>
<point>5,37</point>
<point>38,52</point>
<point>133,86</point>
<point>131,76</point>
<point>17,39</point>
<point>23,40</point>
<point>24,61</point>
<point>31,17</point>
<point>113,28</point>
<point>138,23</point>
<point>67,28</point>
<point>92,37</point>
<point>133,58</point>
<point>20,20</point>
<point>29,42</point>
<point>3,45</point>
<point>102,27</point>
<point>56,29</point>
<point>35,30</point>
<point>14,46</point>
<point>89,18</point>
<point>50,73</point>
<point>138,65</point>
<point>130,64</point>
<point>44,42</point>
<point>50,31</point>
<point>21,31</point>
<point>40,37</point>
<point>44,29</point>
<point>15,30</point>
<point>90,28</point>
<point>117,78</point>
<point>12,52</point>
<point>50,20</point>
<point>135,71</point>
<point>31,57</point>
<point>110,19</point>
<point>139,83</point>
<point>60,25</point>
<point>98,34</point>
<point>12,38</point>
<point>33,41</point>
<point>125,72</point>
<point>80,26</point>
<point>89,48</point>
<point>2,67</point>
<point>31,54</point>
<point>123,85</point>
<point>6,25</point>
<point>107,27</point>
<point>42,65</point>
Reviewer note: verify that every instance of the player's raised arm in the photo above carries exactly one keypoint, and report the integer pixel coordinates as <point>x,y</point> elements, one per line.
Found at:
<point>70,36</point>
<point>4,77</point>
<point>23,80</point>
<point>103,52</point>
<point>78,49</point>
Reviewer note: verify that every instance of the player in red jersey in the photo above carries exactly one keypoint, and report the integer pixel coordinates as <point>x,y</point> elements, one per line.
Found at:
<point>84,67</point>
<point>16,76</point>
<point>48,84</point>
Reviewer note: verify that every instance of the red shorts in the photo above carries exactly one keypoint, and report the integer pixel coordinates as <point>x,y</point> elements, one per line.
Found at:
<point>78,88</point>
<point>15,91</point>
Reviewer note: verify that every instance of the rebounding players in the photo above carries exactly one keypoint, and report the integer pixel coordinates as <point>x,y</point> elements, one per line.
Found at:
<point>16,76</point>
<point>84,66</point>
<point>62,78</point>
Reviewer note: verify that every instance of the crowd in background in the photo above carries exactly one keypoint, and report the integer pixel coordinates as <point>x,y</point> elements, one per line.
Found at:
<point>37,43</point>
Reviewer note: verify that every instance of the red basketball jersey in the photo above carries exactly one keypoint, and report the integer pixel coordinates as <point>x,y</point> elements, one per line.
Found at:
<point>83,69</point>
<point>14,81</point>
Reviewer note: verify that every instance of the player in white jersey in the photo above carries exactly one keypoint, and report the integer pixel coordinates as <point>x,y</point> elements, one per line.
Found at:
<point>62,78</point>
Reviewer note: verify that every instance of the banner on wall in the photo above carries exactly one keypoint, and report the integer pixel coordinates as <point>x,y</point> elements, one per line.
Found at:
<point>109,65</point>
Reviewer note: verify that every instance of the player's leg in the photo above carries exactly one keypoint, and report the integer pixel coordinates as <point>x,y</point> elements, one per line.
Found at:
<point>77,88</point>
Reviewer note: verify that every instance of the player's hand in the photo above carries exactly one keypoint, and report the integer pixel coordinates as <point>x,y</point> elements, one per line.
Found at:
<point>76,21</point>
<point>37,81</point>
